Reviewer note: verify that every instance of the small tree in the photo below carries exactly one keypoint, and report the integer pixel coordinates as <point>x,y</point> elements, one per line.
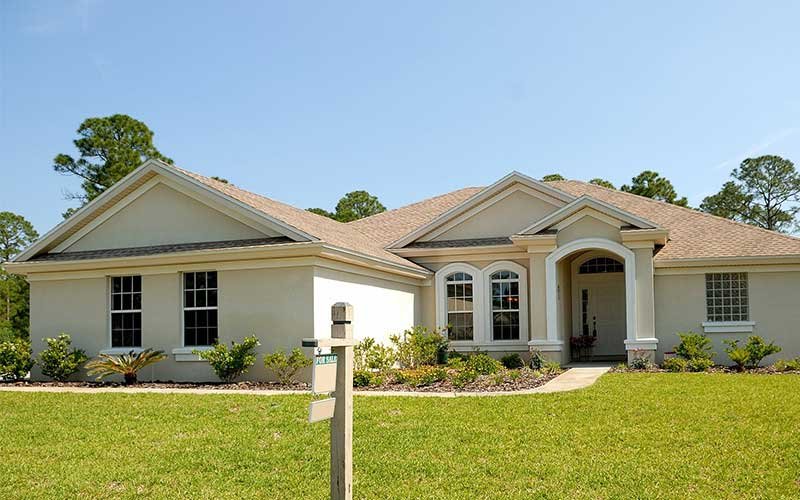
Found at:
<point>58,361</point>
<point>16,359</point>
<point>553,177</point>
<point>602,182</point>
<point>286,367</point>
<point>757,350</point>
<point>127,365</point>
<point>230,364</point>
<point>651,185</point>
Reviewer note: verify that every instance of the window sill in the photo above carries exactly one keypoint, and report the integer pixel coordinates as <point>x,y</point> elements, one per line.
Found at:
<point>728,326</point>
<point>116,351</point>
<point>187,353</point>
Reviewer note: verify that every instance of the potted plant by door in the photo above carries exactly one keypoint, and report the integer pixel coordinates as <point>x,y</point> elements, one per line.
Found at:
<point>581,346</point>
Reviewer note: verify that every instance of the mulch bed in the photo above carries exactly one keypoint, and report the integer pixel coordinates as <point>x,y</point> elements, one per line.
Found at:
<point>527,379</point>
<point>487,383</point>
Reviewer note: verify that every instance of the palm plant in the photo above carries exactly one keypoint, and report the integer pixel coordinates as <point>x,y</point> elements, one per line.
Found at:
<point>126,365</point>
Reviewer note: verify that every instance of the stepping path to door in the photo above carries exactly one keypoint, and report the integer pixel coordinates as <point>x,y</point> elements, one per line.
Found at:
<point>577,377</point>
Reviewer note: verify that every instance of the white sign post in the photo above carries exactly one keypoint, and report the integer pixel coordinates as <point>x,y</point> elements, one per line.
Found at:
<point>341,343</point>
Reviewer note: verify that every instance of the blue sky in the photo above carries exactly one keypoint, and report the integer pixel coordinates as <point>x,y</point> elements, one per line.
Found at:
<point>304,101</point>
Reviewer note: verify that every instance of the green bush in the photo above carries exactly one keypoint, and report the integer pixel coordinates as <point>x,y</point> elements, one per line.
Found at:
<point>787,365</point>
<point>641,361</point>
<point>231,363</point>
<point>15,359</point>
<point>7,334</point>
<point>551,367</point>
<point>675,365</point>
<point>422,376</point>
<point>461,378</point>
<point>483,364</point>
<point>757,350</point>
<point>361,378</point>
<point>538,360</point>
<point>418,347</point>
<point>694,346</point>
<point>512,361</point>
<point>286,367</point>
<point>58,361</point>
<point>699,364</point>
<point>737,353</point>
<point>371,355</point>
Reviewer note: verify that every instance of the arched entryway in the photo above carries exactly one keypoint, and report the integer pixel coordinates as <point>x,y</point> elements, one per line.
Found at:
<point>561,322</point>
<point>598,303</point>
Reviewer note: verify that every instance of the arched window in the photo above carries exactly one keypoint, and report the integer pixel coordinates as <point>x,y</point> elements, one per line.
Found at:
<point>505,305</point>
<point>460,305</point>
<point>601,265</point>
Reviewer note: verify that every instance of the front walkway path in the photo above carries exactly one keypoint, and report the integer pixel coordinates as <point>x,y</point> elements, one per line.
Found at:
<point>576,377</point>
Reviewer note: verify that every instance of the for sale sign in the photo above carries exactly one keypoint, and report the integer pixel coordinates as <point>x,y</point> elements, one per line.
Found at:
<point>323,374</point>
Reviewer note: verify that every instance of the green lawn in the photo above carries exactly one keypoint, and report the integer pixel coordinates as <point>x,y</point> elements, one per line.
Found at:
<point>628,436</point>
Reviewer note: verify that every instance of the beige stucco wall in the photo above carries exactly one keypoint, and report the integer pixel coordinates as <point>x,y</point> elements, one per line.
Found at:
<point>588,227</point>
<point>774,299</point>
<point>381,307</point>
<point>161,216</point>
<point>274,304</point>
<point>504,218</point>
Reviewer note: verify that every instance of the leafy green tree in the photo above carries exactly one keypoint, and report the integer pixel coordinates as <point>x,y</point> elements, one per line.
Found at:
<point>553,177</point>
<point>353,206</point>
<point>110,148</point>
<point>602,182</point>
<point>765,192</point>
<point>322,212</point>
<point>15,234</point>
<point>651,185</point>
<point>357,205</point>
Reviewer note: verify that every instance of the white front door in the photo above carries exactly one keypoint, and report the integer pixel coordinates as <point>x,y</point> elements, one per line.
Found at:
<point>599,310</point>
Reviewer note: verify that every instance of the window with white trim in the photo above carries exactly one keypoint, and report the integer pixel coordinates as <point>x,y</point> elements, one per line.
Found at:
<point>727,297</point>
<point>460,306</point>
<point>200,308</point>
<point>505,305</point>
<point>126,311</point>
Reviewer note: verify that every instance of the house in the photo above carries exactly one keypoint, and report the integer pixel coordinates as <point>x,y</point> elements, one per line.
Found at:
<point>176,261</point>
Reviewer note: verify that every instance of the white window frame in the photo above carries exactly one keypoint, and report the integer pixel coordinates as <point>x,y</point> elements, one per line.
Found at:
<point>486,277</point>
<point>477,293</point>
<point>188,349</point>
<point>110,308</point>
<point>728,326</point>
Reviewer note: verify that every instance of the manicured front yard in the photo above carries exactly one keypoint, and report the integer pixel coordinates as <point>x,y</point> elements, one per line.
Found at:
<point>629,436</point>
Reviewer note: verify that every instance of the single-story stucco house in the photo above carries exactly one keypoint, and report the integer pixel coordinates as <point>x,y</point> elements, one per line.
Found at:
<point>176,261</point>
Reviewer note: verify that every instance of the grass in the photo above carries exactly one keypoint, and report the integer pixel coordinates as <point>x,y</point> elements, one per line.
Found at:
<point>628,436</point>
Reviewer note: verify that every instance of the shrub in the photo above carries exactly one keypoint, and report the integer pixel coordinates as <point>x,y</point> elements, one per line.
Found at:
<point>461,378</point>
<point>787,365</point>
<point>699,364</point>
<point>127,365</point>
<point>675,365</point>
<point>512,361</point>
<point>694,346</point>
<point>551,367</point>
<point>58,361</point>
<point>231,363</point>
<point>362,378</point>
<point>286,367</point>
<point>422,376</point>
<point>483,364</point>
<point>370,355</point>
<point>757,350</point>
<point>537,360</point>
<point>15,359</point>
<point>641,360</point>
<point>737,353</point>
<point>418,347</point>
<point>7,334</point>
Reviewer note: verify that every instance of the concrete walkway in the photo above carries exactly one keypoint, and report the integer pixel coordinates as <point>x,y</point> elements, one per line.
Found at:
<point>577,377</point>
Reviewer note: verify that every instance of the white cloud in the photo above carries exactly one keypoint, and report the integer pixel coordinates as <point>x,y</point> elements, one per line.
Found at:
<point>765,143</point>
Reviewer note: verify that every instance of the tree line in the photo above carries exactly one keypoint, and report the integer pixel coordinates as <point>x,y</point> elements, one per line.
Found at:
<point>763,191</point>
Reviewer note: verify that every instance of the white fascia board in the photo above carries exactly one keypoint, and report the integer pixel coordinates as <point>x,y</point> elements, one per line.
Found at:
<point>481,196</point>
<point>587,201</point>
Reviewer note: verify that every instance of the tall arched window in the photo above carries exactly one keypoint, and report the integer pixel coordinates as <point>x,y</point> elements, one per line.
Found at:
<point>505,305</point>
<point>460,305</point>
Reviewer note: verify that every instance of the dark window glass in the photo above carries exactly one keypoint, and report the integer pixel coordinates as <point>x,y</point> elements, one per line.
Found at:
<point>126,315</point>
<point>200,300</point>
<point>601,265</point>
<point>505,305</point>
<point>459,306</point>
